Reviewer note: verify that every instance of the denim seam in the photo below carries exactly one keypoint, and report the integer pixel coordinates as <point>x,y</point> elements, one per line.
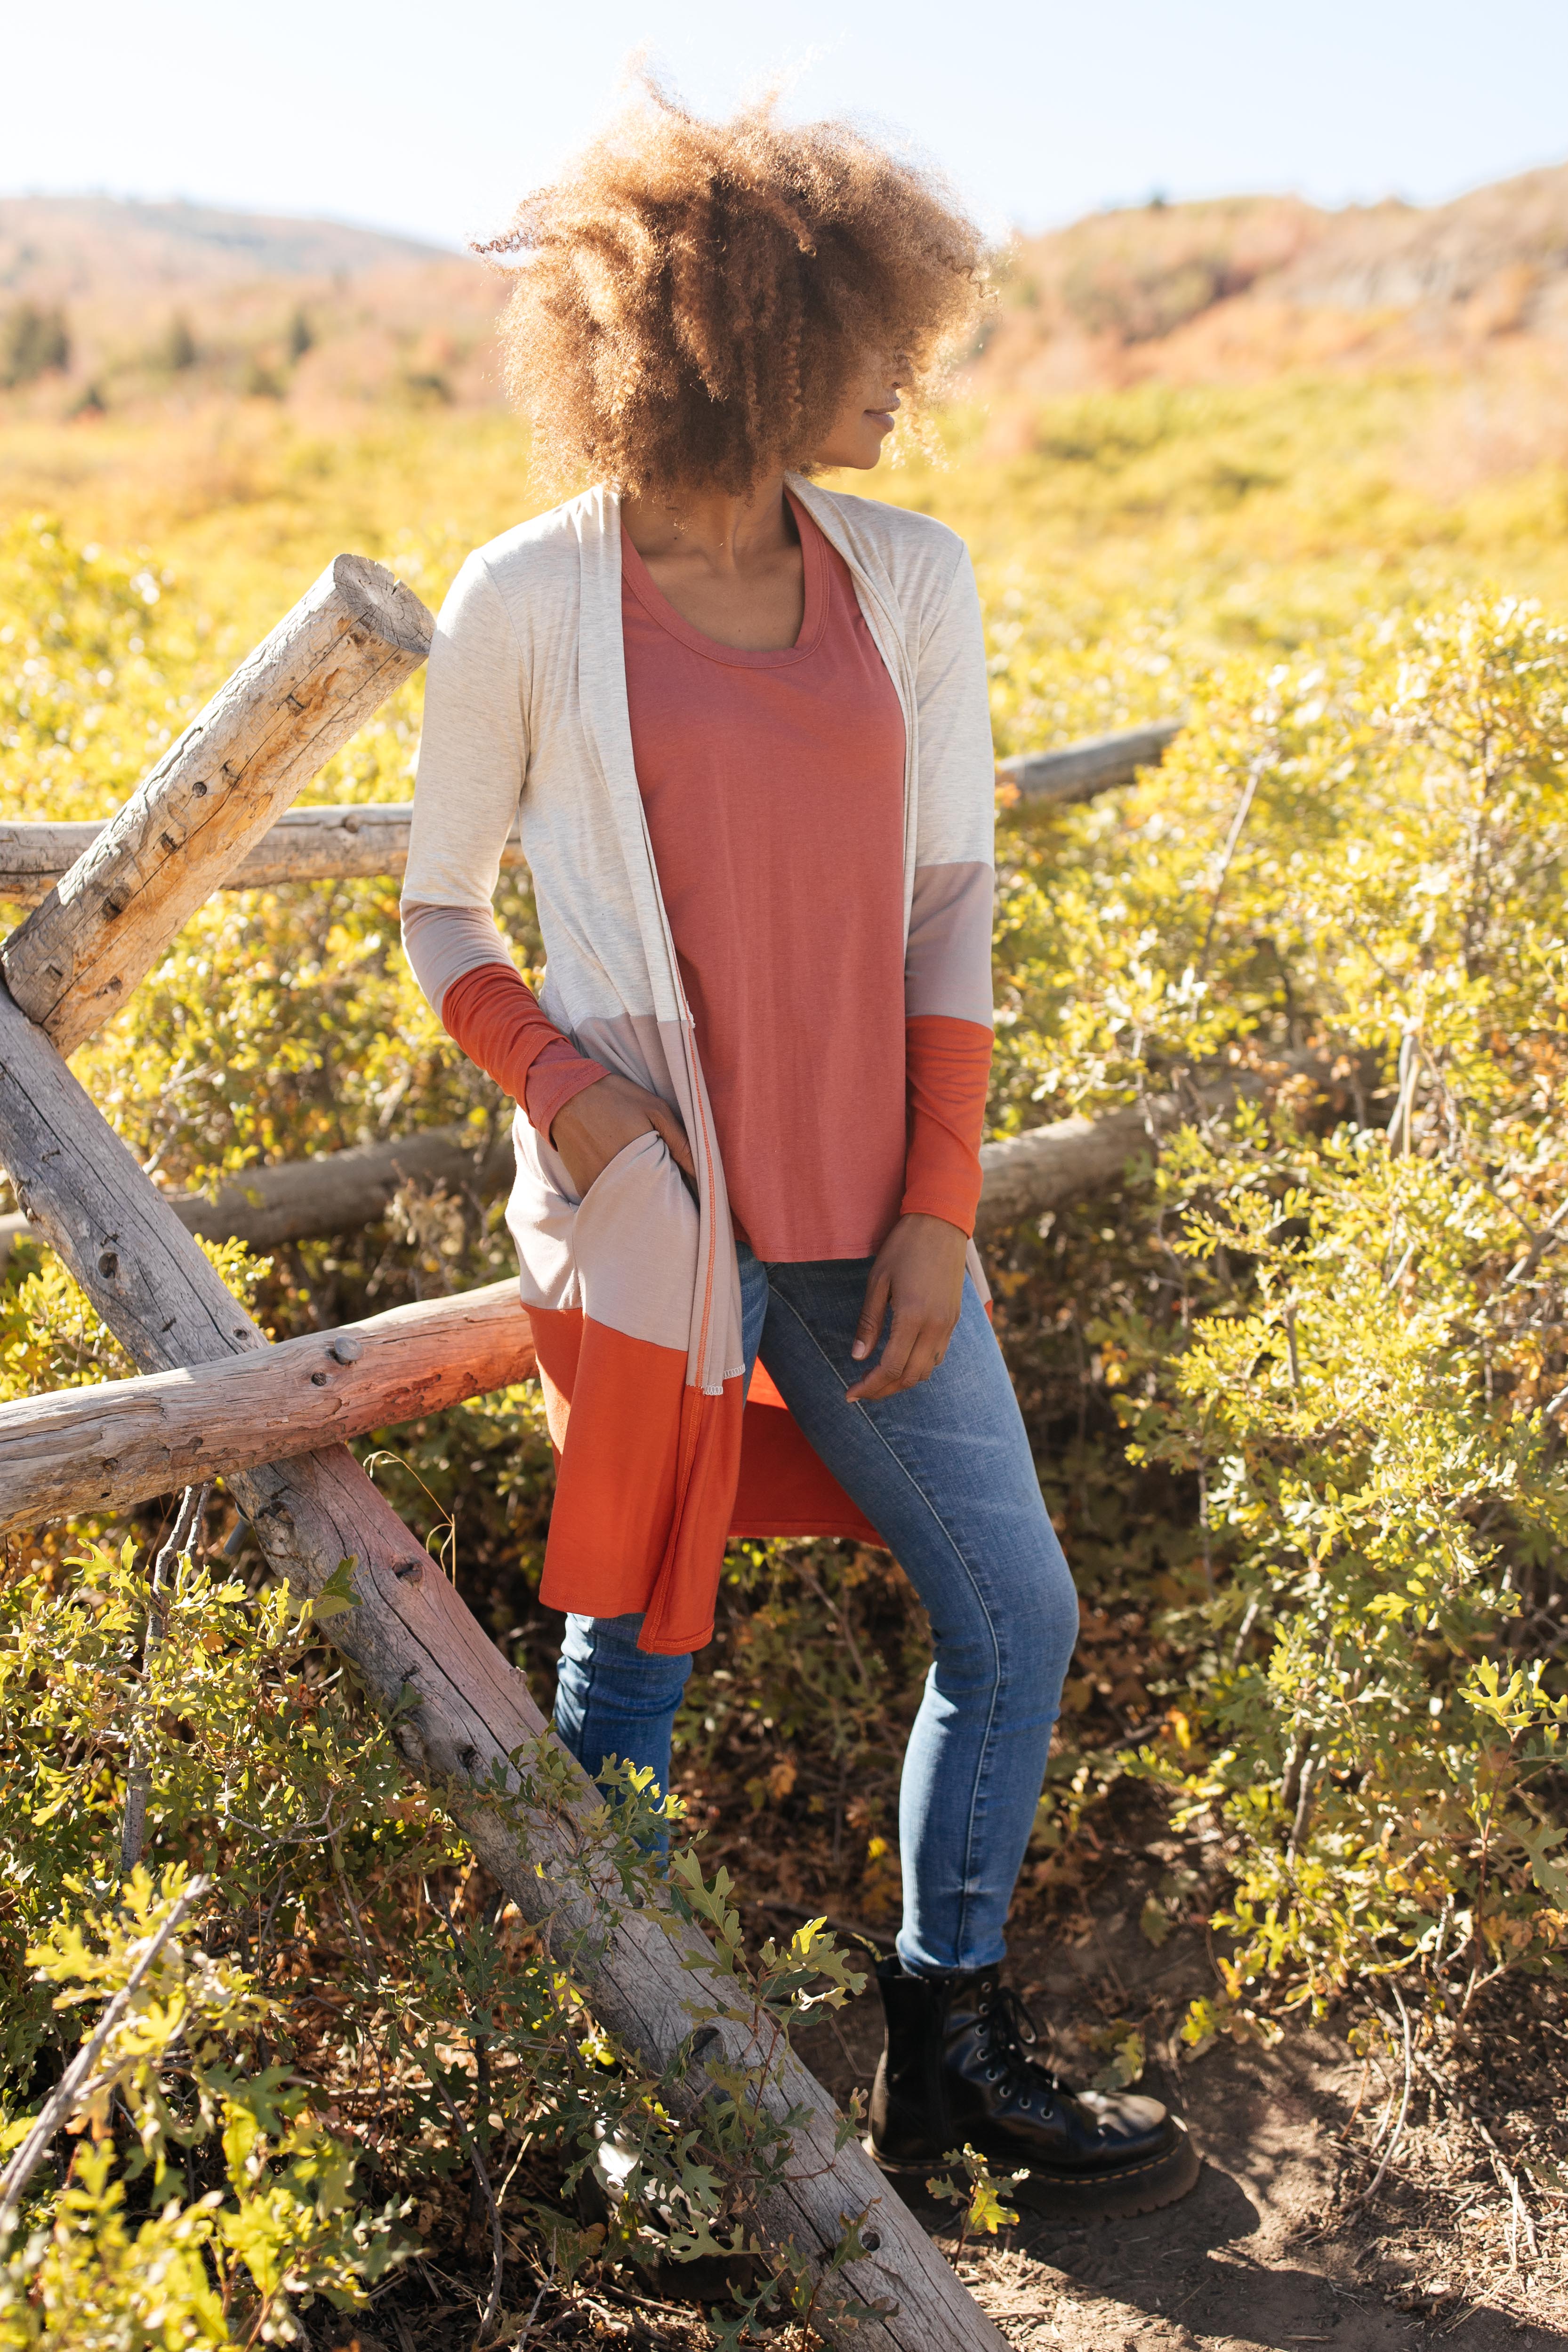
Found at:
<point>982,1768</point>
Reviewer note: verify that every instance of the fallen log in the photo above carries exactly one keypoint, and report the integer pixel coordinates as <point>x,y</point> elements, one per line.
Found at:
<point>352,638</point>
<point>460,1712</point>
<point>107,1447</point>
<point>1081,770</point>
<point>340,842</point>
<point>336,1193</point>
<point>300,1199</point>
<point>1047,1167</point>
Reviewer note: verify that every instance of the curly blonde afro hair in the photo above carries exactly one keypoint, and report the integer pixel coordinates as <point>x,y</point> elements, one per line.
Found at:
<point>696,298</point>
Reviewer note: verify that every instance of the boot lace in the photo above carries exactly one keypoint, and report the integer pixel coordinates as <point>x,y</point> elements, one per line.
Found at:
<point>1010,2036</point>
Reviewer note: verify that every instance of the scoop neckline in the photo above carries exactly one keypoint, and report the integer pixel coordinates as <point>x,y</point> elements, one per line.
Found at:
<point>813,618</point>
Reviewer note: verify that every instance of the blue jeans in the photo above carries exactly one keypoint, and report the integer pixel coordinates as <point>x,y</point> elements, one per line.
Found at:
<point>943,1471</point>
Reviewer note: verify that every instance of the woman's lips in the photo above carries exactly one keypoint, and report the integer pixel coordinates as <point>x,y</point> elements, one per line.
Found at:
<point>882,418</point>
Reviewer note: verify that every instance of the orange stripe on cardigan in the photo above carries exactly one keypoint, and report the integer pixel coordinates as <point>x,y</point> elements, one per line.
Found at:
<point>654,1478</point>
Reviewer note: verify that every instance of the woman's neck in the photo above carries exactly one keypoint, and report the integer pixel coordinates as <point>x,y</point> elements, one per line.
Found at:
<point>732,568</point>
<point>712,532</point>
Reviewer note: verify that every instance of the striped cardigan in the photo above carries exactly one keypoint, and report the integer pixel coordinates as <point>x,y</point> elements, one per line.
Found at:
<point>633,1291</point>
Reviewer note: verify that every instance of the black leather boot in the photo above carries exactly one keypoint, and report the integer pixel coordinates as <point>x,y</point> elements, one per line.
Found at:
<point>956,2068</point>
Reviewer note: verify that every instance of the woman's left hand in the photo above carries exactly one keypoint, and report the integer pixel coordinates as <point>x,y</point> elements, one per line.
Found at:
<point>919,1273</point>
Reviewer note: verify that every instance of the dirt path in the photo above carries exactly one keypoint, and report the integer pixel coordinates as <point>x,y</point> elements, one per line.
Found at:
<point>1246,2260</point>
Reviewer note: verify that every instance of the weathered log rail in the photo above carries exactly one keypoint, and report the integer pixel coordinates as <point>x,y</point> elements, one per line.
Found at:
<point>107,1447</point>
<point>361,840</point>
<point>459,1713</point>
<point>300,1200</point>
<point>342,841</point>
<point>335,1193</point>
<point>1096,765</point>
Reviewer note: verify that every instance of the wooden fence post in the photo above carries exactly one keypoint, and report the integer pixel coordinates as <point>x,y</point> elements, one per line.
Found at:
<point>353,636</point>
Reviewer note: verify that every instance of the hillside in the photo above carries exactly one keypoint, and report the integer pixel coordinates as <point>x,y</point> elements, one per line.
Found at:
<point>105,304</point>
<point>68,246</point>
<point>113,305</point>
<point>1246,288</point>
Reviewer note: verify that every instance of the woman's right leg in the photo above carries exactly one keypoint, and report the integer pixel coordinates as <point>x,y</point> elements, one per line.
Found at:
<point>612,1699</point>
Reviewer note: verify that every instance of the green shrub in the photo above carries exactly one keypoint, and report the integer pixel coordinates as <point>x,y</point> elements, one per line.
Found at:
<point>1296,1392</point>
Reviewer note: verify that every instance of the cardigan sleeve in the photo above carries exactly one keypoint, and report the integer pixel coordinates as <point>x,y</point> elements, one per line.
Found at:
<point>947,965</point>
<point>473,761</point>
<point>499,1023</point>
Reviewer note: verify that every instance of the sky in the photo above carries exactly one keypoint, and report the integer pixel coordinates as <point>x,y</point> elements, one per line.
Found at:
<point>434,120</point>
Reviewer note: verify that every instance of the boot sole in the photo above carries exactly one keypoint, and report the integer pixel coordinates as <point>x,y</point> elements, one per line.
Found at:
<point>1104,2196</point>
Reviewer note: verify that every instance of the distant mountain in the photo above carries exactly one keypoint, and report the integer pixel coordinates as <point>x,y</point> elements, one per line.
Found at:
<point>54,249</point>
<point>1248,286</point>
<point>116,306</point>
<point>110,306</point>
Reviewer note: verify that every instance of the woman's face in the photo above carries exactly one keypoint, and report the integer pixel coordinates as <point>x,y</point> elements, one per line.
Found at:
<point>856,433</point>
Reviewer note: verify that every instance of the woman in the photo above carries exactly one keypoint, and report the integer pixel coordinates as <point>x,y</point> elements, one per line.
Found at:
<point>742,721</point>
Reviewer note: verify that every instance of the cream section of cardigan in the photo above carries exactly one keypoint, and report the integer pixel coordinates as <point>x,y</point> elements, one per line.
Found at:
<point>526,719</point>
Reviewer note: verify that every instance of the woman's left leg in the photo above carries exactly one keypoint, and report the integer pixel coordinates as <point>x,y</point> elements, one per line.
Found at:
<point>945,1473</point>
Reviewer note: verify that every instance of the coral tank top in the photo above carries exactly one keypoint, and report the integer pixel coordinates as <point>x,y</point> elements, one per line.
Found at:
<point>773,786</point>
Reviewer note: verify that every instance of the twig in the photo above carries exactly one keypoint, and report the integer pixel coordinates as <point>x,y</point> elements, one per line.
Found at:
<point>1505,2177</point>
<point>1399,1120</point>
<point>68,2090</point>
<point>534,2312</point>
<point>1518,2215</point>
<point>1303,1808</point>
<point>1244,810</point>
<point>1375,2183</point>
<point>1537,1247</point>
<point>481,2173</point>
<point>840,1616</point>
<point>1394,2137</point>
<point>139,1777</point>
<point>1248,1621</point>
<point>365,1953</point>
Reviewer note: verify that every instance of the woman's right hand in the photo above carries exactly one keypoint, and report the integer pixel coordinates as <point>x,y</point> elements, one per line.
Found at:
<point>604,1118</point>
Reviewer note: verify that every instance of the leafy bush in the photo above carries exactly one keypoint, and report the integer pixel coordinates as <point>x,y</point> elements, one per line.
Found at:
<point>241,2103</point>
<point>1297,1390</point>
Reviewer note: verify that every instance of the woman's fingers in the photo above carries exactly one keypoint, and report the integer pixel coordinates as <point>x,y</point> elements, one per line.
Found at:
<point>873,1311</point>
<point>889,1376</point>
<point>914,1348</point>
<point>665,1123</point>
<point>604,1118</point>
<point>919,1272</point>
<point>916,1345</point>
